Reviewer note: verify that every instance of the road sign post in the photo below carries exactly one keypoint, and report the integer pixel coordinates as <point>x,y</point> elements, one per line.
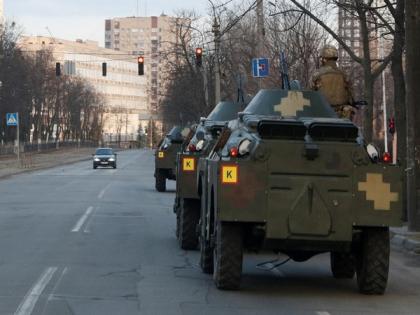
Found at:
<point>260,69</point>
<point>12,120</point>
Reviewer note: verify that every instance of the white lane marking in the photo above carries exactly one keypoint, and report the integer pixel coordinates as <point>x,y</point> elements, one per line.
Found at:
<point>82,220</point>
<point>51,296</point>
<point>31,298</point>
<point>103,191</point>
<point>322,313</point>
<point>63,273</point>
<point>87,226</point>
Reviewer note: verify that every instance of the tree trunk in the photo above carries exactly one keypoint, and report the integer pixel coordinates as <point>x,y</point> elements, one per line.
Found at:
<point>368,91</point>
<point>369,79</point>
<point>399,94</point>
<point>413,114</point>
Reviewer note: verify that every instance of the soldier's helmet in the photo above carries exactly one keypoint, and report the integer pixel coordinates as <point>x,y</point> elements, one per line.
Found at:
<point>329,52</point>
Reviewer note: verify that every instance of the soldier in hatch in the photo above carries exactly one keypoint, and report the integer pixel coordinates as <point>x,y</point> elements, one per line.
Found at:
<point>333,83</point>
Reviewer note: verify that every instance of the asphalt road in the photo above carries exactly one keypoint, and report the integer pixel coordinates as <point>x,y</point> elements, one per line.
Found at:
<point>74,240</point>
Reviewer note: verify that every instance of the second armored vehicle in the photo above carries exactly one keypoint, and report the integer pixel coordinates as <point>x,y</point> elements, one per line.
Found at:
<point>187,201</point>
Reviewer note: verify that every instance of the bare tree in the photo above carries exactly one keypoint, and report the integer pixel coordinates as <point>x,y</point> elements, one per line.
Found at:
<point>371,20</point>
<point>50,107</point>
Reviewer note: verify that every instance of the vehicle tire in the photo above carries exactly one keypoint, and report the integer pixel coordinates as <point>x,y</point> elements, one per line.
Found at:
<point>114,166</point>
<point>206,256</point>
<point>95,167</point>
<point>189,215</point>
<point>343,265</point>
<point>372,266</point>
<point>228,256</point>
<point>160,179</point>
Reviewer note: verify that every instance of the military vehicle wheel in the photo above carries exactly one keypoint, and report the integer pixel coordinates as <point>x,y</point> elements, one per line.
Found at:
<point>343,265</point>
<point>160,183</point>
<point>228,256</point>
<point>189,215</point>
<point>373,261</point>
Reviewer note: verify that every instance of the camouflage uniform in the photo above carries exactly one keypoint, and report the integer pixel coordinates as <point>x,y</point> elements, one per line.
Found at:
<point>333,83</point>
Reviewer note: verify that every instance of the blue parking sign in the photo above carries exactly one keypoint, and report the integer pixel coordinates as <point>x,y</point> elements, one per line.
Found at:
<point>260,67</point>
<point>12,119</point>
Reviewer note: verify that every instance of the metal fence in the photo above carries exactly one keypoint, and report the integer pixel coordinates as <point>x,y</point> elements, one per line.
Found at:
<point>11,148</point>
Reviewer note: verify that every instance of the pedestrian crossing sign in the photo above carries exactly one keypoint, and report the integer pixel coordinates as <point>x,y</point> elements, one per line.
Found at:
<point>12,119</point>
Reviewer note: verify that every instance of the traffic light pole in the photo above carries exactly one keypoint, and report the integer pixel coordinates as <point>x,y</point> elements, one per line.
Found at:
<point>18,137</point>
<point>261,34</point>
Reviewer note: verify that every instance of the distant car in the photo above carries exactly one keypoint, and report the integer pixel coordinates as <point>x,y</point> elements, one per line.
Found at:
<point>104,157</point>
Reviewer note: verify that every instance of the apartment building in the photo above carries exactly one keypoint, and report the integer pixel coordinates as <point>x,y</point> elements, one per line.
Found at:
<point>125,92</point>
<point>150,37</point>
<point>1,11</point>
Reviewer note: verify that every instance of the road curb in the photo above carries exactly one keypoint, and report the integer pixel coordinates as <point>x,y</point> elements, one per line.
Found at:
<point>404,242</point>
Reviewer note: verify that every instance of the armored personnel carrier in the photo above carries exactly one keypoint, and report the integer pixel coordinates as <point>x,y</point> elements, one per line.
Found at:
<point>291,177</point>
<point>187,200</point>
<point>165,157</point>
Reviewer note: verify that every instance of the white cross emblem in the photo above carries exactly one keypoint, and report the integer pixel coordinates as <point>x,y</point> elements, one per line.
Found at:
<point>378,191</point>
<point>293,103</point>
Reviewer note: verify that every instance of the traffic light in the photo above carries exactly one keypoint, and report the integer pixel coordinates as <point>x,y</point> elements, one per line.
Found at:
<point>104,69</point>
<point>391,126</point>
<point>199,57</point>
<point>57,69</point>
<point>140,61</point>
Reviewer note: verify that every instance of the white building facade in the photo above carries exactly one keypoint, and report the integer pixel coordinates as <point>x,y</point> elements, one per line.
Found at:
<point>124,91</point>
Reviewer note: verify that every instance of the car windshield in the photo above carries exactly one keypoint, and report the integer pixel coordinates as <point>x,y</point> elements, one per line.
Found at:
<point>104,152</point>
<point>288,103</point>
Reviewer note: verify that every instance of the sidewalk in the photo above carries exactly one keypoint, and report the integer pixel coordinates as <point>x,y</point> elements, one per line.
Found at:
<point>401,238</point>
<point>35,161</point>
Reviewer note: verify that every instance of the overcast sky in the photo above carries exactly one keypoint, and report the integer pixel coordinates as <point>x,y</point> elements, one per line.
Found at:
<point>72,19</point>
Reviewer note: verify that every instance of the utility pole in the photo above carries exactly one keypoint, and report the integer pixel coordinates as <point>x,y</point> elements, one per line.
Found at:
<point>216,32</point>
<point>260,28</point>
<point>412,9</point>
<point>260,34</point>
<point>384,104</point>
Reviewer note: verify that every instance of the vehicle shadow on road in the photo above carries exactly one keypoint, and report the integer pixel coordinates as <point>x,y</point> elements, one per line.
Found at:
<point>294,285</point>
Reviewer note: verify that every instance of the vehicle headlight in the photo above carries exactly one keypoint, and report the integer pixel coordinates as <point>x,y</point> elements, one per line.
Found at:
<point>96,159</point>
<point>111,159</point>
<point>165,146</point>
<point>244,147</point>
<point>372,152</point>
<point>200,145</point>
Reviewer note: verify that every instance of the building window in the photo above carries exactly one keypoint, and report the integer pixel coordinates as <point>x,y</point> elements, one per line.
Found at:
<point>107,25</point>
<point>154,22</point>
